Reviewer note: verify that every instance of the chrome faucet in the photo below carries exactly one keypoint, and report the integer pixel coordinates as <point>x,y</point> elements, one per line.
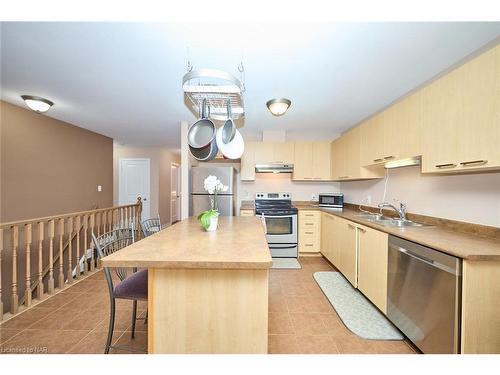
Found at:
<point>401,211</point>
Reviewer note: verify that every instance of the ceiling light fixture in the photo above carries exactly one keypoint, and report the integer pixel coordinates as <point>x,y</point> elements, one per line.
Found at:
<point>37,104</point>
<point>278,107</point>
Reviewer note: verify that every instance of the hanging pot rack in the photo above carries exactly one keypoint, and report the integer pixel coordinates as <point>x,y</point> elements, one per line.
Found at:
<point>217,88</point>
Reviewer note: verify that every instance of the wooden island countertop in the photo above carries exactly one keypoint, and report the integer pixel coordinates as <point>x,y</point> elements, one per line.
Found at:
<point>238,243</point>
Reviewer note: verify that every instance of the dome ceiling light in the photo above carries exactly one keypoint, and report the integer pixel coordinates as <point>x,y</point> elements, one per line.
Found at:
<point>36,103</point>
<point>278,107</point>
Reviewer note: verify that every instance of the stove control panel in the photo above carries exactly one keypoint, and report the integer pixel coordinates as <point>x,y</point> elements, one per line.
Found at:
<point>271,196</point>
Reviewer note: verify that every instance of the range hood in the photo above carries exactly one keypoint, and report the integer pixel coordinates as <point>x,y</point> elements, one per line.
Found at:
<point>408,162</point>
<point>274,168</point>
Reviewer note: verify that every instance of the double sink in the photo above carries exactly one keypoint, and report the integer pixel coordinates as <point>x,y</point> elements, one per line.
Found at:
<point>389,221</point>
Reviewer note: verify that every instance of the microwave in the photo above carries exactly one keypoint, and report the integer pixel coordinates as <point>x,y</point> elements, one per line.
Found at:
<point>332,200</point>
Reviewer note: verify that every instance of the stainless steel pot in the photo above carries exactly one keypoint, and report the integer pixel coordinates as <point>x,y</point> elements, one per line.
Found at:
<point>202,133</point>
<point>206,153</point>
<point>228,129</point>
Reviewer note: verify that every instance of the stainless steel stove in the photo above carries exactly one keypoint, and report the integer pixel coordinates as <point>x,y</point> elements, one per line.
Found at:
<point>281,223</point>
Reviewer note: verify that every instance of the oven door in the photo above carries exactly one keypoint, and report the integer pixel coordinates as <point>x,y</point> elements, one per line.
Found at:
<point>281,229</point>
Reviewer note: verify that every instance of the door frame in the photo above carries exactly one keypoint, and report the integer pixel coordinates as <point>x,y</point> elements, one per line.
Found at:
<point>178,188</point>
<point>121,181</point>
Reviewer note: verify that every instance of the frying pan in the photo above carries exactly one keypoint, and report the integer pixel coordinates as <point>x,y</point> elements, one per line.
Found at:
<point>203,131</point>
<point>228,129</point>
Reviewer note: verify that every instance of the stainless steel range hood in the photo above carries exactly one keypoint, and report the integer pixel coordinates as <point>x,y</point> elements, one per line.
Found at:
<point>274,168</point>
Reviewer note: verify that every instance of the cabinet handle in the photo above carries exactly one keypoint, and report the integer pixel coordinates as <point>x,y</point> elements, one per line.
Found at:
<point>308,178</point>
<point>309,224</point>
<point>465,163</point>
<point>388,157</point>
<point>378,160</point>
<point>447,165</point>
<point>309,232</point>
<point>351,226</point>
<point>361,230</point>
<point>309,244</point>
<point>308,214</point>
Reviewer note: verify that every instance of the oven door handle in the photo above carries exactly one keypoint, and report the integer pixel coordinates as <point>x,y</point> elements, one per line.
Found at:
<point>283,247</point>
<point>279,217</point>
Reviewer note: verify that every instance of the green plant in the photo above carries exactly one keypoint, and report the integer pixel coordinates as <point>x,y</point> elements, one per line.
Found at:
<point>205,217</point>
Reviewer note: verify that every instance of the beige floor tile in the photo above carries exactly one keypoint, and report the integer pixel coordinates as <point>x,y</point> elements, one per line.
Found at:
<point>316,345</point>
<point>29,317</point>
<point>280,323</point>
<point>308,324</point>
<point>7,334</point>
<point>93,343</point>
<point>282,344</point>
<point>137,344</point>
<point>278,304</point>
<point>41,341</point>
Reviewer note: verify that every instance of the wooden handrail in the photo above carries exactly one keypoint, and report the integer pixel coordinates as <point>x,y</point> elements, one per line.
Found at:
<point>62,216</point>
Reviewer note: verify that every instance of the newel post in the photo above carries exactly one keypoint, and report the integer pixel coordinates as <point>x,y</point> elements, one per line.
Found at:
<point>138,215</point>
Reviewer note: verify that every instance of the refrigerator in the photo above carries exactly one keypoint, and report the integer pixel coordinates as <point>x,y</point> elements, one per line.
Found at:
<point>199,198</point>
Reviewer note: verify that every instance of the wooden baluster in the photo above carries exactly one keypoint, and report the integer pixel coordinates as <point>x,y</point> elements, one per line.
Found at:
<point>15,244</point>
<point>85,241</point>
<point>125,214</point>
<point>1,250</point>
<point>78,224</point>
<point>51,257</point>
<point>61,248</point>
<point>39,288</point>
<point>69,272</point>
<point>27,292</point>
<point>92,225</point>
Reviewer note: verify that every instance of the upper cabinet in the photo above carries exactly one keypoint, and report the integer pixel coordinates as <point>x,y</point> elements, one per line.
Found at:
<point>312,161</point>
<point>346,153</point>
<point>394,133</point>
<point>461,117</point>
<point>247,171</point>
<point>264,153</point>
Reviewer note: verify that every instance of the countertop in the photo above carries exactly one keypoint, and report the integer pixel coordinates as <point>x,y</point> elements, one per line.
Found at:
<point>239,243</point>
<point>470,246</point>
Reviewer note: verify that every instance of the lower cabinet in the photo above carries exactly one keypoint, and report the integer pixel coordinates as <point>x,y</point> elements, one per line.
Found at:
<point>359,253</point>
<point>247,212</point>
<point>372,265</point>
<point>309,231</point>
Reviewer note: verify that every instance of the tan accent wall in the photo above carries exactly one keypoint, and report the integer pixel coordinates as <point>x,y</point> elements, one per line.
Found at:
<point>160,162</point>
<point>50,167</point>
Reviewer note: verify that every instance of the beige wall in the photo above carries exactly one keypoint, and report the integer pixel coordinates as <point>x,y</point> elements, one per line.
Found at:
<point>472,198</point>
<point>160,160</point>
<point>50,167</point>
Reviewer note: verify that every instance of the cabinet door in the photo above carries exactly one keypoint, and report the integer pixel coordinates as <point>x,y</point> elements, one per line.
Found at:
<point>321,161</point>
<point>338,152</point>
<point>284,152</point>
<point>440,114</point>
<point>326,236</point>
<point>372,265</point>
<point>403,128</point>
<point>352,159</point>
<point>264,152</point>
<point>479,120</point>
<point>372,140</point>
<point>303,161</point>
<point>348,251</point>
<point>247,172</point>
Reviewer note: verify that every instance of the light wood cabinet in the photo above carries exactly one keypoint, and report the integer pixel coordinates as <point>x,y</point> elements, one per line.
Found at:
<point>312,161</point>
<point>348,256</point>
<point>461,117</point>
<point>346,164</point>
<point>247,212</point>
<point>329,238</point>
<point>284,152</point>
<point>247,171</point>
<point>309,231</point>
<point>372,265</point>
<point>372,140</point>
<point>264,152</point>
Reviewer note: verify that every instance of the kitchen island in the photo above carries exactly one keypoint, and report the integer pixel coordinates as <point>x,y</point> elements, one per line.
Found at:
<point>207,291</point>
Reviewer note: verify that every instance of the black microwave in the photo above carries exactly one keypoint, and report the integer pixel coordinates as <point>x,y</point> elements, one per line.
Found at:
<point>332,200</point>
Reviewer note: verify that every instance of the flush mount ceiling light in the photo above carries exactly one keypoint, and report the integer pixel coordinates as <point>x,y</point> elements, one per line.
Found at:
<point>37,103</point>
<point>278,107</point>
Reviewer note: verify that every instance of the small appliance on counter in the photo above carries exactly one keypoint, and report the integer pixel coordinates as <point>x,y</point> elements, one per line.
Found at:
<point>331,200</point>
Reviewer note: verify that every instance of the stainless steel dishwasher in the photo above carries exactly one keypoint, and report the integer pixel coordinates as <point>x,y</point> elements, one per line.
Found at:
<point>424,295</point>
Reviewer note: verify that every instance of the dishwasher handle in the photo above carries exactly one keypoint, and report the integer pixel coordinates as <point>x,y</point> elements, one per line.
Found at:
<point>426,260</point>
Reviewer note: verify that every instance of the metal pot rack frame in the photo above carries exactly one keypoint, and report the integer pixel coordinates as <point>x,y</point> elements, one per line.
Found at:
<point>217,87</point>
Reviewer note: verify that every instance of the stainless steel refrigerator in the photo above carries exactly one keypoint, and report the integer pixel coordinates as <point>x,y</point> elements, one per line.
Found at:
<point>200,201</point>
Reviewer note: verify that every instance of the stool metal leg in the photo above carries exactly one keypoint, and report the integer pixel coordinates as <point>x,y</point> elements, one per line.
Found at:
<point>134,317</point>
<point>111,326</point>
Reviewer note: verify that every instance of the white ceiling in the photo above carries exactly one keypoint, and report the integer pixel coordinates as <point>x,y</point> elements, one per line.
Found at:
<point>124,80</point>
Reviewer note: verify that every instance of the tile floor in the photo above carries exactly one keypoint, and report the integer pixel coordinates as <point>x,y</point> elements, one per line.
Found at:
<point>301,320</point>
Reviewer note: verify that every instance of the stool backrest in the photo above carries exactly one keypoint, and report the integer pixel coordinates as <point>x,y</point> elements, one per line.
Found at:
<point>151,226</point>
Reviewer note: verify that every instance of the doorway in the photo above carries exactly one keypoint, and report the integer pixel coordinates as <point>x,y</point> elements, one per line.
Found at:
<point>134,181</point>
<point>175,195</point>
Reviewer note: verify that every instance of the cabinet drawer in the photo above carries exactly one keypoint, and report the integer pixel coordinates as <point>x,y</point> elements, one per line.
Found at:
<point>309,232</point>
<point>308,246</point>
<point>305,237</point>
<point>247,213</point>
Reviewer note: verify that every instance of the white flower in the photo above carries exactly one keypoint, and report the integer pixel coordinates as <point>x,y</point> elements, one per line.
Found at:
<point>213,185</point>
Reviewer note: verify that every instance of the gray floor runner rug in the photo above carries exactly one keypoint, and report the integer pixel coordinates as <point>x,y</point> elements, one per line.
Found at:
<point>357,313</point>
<point>286,263</point>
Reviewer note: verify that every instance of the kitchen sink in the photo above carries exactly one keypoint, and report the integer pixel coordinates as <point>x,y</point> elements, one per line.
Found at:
<point>388,221</point>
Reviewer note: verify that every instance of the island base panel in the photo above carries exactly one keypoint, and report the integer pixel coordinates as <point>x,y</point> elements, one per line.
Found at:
<point>207,311</point>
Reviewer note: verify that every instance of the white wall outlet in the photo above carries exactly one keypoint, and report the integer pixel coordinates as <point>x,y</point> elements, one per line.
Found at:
<point>314,197</point>
<point>99,188</point>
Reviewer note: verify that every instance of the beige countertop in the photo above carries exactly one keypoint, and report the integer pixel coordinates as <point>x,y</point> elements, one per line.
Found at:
<point>239,243</point>
<point>470,246</point>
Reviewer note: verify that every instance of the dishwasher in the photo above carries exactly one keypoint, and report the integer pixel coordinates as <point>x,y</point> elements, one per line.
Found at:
<point>424,295</point>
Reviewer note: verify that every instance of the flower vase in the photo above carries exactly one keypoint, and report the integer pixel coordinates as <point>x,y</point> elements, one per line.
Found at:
<point>214,223</point>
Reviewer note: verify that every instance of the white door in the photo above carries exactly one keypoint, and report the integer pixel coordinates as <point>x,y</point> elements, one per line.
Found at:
<point>175,205</point>
<point>134,181</point>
